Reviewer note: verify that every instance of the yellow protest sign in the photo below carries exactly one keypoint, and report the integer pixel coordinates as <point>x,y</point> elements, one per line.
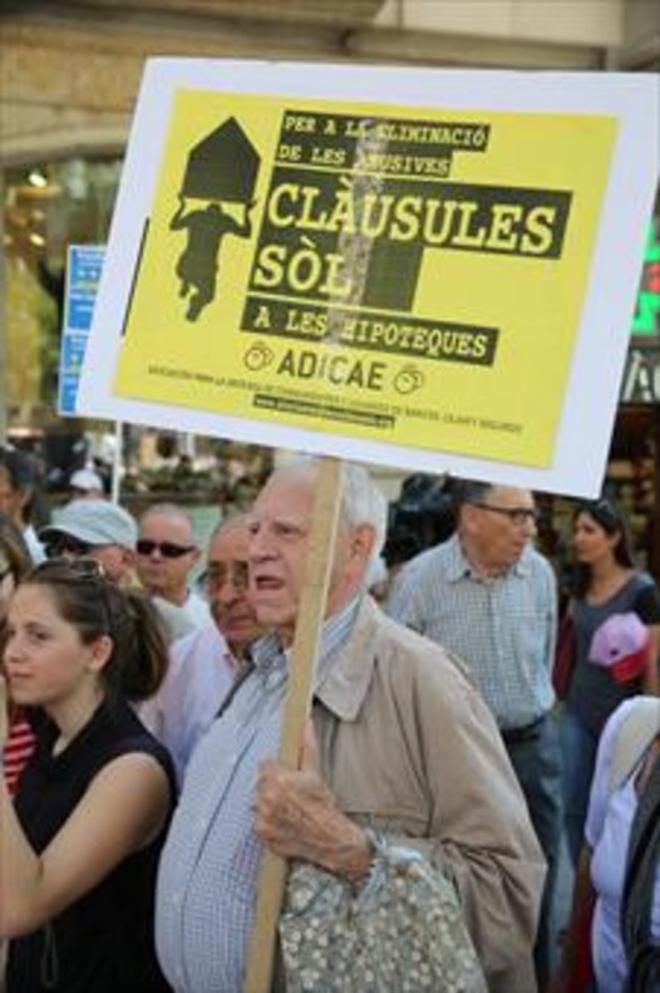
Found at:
<point>401,274</point>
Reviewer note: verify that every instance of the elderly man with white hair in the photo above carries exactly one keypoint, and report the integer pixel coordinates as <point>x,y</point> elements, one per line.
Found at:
<point>405,746</point>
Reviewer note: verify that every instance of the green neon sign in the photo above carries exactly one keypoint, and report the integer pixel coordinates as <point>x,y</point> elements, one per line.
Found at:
<point>646,321</point>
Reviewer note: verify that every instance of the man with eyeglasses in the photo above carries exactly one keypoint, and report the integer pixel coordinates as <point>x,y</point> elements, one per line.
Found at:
<point>166,555</point>
<point>489,597</point>
<point>204,664</point>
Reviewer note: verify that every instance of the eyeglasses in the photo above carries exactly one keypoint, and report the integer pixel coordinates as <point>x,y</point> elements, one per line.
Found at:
<point>66,544</point>
<point>235,573</point>
<point>518,516</point>
<point>168,549</point>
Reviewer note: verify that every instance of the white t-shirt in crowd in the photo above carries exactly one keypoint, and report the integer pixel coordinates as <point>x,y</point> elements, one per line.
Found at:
<point>200,673</point>
<point>197,609</point>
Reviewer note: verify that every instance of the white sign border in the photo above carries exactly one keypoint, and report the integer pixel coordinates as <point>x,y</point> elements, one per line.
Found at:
<point>593,384</point>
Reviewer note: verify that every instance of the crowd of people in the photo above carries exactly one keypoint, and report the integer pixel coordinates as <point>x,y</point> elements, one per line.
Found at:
<point>140,722</point>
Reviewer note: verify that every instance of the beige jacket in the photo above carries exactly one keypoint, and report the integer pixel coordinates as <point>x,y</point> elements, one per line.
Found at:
<point>408,746</point>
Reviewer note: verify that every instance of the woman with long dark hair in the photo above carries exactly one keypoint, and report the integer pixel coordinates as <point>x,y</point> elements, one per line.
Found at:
<point>81,843</point>
<point>607,586</point>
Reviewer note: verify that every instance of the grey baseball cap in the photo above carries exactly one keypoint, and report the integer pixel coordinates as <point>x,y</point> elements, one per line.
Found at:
<point>96,522</point>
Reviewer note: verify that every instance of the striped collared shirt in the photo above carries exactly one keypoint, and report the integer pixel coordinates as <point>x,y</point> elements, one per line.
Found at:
<point>503,628</point>
<point>208,870</point>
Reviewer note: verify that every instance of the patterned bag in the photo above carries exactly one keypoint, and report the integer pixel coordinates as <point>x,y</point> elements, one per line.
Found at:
<point>401,932</point>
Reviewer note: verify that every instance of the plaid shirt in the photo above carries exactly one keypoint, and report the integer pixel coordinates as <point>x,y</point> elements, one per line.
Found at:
<point>502,627</point>
<point>208,871</point>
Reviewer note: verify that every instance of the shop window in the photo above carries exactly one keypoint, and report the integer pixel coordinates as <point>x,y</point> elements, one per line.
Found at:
<point>47,207</point>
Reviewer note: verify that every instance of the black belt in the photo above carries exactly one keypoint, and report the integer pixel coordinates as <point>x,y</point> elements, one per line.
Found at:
<point>530,732</point>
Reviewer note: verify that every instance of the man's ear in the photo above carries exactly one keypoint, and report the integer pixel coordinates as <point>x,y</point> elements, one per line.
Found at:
<point>467,518</point>
<point>362,542</point>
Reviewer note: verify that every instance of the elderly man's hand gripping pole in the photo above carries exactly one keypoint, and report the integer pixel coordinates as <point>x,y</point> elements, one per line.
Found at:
<point>296,816</point>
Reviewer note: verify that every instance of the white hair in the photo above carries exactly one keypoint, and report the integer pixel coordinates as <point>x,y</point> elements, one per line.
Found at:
<point>362,502</point>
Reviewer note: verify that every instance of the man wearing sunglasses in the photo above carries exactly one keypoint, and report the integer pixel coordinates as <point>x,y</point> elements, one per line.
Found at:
<point>95,529</point>
<point>105,532</point>
<point>489,597</point>
<point>166,555</point>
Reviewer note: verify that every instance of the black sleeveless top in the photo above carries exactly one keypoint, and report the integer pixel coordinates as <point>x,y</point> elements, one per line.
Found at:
<point>104,942</point>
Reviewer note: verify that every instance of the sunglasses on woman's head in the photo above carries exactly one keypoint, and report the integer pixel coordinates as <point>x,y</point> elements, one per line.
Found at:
<point>168,549</point>
<point>80,572</point>
<point>79,568</point>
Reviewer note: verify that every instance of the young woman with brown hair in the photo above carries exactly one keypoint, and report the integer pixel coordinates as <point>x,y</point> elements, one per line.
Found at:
<point>81,843</point>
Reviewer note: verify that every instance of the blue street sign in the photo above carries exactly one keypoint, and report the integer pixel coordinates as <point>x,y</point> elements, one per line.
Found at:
<point>84,264</point>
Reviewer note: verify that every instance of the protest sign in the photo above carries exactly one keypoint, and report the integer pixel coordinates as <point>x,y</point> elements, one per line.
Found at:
<point>428,269</point>
<point>421,268</point>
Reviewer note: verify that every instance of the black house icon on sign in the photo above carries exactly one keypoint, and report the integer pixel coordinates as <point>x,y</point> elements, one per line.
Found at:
<point>222,166</point>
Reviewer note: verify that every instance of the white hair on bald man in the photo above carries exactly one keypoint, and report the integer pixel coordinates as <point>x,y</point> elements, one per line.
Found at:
<point>362,502</point>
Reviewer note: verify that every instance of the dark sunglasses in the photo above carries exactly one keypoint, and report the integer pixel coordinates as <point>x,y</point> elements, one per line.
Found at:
<point>66,544</point>
<point>166,548</point>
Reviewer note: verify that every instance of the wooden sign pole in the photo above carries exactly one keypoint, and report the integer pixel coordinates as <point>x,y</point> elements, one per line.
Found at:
<point>272,872</point>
